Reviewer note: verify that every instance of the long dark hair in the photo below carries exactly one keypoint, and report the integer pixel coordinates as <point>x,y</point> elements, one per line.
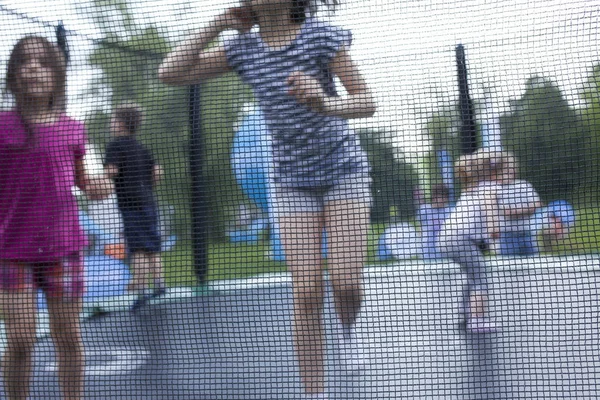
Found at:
<point>52,56</point>
<point>301,8</point>
<point>55,59</point>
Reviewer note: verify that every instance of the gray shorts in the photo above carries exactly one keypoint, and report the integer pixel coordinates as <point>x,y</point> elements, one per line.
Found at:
<point>288,200</point>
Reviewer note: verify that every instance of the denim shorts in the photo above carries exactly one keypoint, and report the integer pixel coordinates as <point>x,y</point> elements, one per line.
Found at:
<point>140,228</point>
<point>289,200</point>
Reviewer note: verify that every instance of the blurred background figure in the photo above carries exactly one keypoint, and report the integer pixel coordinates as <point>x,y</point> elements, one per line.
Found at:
<point>517,201</point>
<point>552,224</point>
<point>431,217</point>
<point>135,173</point>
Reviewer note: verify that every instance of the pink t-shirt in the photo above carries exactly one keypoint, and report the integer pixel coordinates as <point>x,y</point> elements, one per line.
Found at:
<point>38,211</point>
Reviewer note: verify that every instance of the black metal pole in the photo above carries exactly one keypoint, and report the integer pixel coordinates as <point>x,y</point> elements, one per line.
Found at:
<point>199,206</point>
<point>468,131</point>
<point>63,45</point>
<point>61,39</point>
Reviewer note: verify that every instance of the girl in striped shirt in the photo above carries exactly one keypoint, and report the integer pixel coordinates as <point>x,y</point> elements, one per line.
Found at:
<point>321,176</point>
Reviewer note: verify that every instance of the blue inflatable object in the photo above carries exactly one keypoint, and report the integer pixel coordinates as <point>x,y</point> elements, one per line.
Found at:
<point>383,253</point>
<point>250,234</point>
<point>105,277</point>
<point>563,210</point>
<point>251,159</point>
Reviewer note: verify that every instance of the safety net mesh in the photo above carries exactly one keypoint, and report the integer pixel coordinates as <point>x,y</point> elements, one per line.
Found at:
<point>299,199</point>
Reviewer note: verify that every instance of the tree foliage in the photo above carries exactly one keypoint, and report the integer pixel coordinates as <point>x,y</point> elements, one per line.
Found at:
<point>549,139</point>
<point>128,56</point>
<point>394,180</point>
<point>591,119</point>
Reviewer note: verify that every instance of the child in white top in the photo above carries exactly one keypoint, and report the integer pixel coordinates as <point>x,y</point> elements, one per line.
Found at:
<point>517,201</point>
<point>469,229</point>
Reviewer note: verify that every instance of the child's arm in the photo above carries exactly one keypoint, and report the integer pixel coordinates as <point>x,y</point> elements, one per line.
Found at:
<point>111,170</point>
<point>523,211</point>
<point>98,187</point>
<point>80,176</point>
<point>191,62</point>
<point>492,213</point>
<point>157,174</point>
<point>359,103</point>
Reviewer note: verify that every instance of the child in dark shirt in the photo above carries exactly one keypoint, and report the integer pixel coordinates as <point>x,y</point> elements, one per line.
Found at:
<point>135,174</point>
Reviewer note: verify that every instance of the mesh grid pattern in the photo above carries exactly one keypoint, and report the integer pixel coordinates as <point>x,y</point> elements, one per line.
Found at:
<point>377,200</point>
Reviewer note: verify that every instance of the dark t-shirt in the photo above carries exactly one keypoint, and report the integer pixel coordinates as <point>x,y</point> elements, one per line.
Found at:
<point>134,180</point>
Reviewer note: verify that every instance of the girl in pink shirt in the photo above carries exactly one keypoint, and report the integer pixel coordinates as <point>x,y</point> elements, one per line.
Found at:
<point>41,242</point>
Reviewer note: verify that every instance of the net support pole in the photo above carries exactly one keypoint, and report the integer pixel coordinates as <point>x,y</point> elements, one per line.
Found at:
<point>61,40</point>
<point>199,205</point>
<point>468,129</point>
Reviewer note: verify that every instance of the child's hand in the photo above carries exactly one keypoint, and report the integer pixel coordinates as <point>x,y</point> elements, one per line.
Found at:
<point>307,90</point>
<point>238,18</point>
<point>98,187</point>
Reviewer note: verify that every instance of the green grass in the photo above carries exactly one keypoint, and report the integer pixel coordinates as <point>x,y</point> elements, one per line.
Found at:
<point>233,260</point>
<point>230,261</point>
<point>584,237</point>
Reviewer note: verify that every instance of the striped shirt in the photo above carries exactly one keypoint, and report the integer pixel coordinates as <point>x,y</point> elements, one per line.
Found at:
<point>310,150</point>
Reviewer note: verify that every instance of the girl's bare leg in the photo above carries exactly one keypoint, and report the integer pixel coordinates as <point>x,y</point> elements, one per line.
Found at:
<point>477,304</point>
<point>347,227</point>
<point>141,267</point>
<point>301,236</point>
<point>19,309</point>
<point>66,334</point>
<point>157,272</point>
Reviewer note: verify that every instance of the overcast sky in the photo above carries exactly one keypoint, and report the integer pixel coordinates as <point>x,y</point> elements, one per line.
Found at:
<point>406,49</point>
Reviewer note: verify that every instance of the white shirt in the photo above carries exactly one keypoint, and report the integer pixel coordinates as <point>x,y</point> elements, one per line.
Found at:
<point>519,194</point>
<point>470,215</point>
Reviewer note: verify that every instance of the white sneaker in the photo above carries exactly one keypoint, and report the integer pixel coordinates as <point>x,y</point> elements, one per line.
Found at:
<point>319,396</point>
<point>481,325</point>
<point>351,352</point>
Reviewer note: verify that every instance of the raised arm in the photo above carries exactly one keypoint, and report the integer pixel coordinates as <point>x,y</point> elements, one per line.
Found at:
<point>491,213</point>
<point>157,174</point>
<point>191,62</point>
<point>359,103</point>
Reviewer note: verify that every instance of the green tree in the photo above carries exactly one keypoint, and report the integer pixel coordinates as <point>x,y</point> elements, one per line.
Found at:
<point>591,118</point>
<point>549,139</point>
<point>222,101</point>
<point>394,180</point>
<point>129,56</point>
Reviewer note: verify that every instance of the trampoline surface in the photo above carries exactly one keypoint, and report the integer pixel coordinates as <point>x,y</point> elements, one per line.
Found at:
<point>235,342</point>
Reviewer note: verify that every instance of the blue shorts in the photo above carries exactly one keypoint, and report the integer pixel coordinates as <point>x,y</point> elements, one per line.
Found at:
<point>140,228</point>
<point>517,244</point>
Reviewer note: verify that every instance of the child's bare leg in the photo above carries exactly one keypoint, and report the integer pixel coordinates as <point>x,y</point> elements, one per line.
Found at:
<point>157,272</point>
<point>140,270</point>
<point>478,304</point>
<point>66,335</point>
<point>347,224</point>
<point>19,309</point>
<point>301,237</point>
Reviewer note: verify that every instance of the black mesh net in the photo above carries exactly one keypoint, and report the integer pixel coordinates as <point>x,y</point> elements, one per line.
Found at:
<point>294,199</point>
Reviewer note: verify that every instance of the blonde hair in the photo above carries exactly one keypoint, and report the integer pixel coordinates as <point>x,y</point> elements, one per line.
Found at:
<point>482,165</point>
<point>463,170</point>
